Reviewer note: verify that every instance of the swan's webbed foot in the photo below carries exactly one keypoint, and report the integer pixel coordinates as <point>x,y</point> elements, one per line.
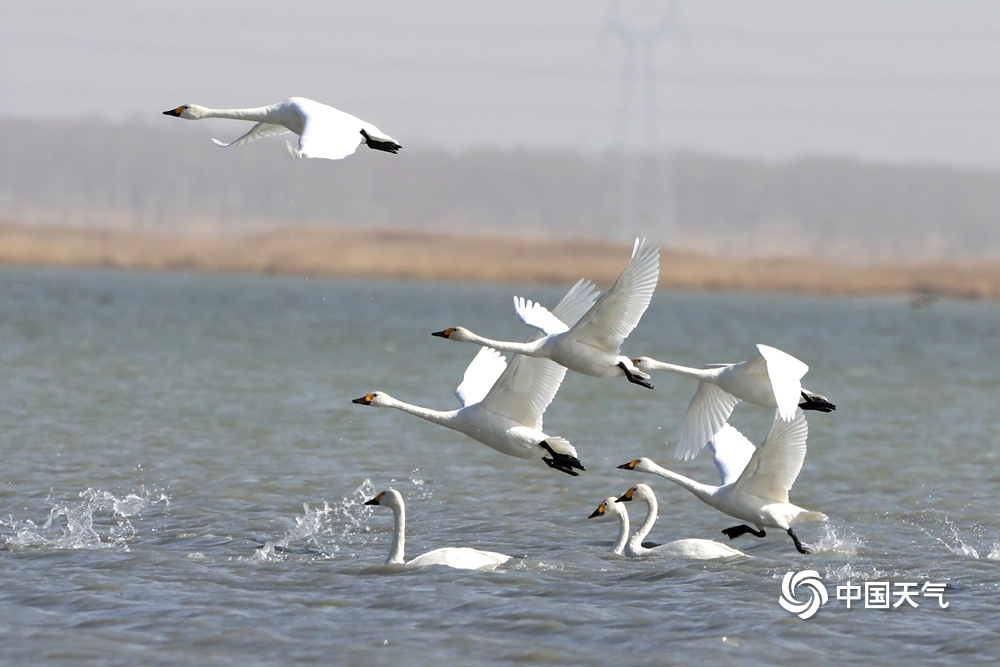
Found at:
<point>632,377</point>
<point>387,146</point>
<point>811,401</point>
<point>798,544</point>
<point>742,529</point>
<point>561,462</point>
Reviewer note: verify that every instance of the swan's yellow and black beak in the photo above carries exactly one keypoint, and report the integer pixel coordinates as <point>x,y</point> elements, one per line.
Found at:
<point>376,500</point>
<point>635,362</point>
<point>364,400</point>
<point>444,334</point>
<point>175,112</point>
<point>630,465</point>
<point>599,511</point>
<point>627,497</point>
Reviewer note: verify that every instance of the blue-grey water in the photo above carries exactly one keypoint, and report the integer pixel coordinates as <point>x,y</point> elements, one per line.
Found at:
<point>183,478</point>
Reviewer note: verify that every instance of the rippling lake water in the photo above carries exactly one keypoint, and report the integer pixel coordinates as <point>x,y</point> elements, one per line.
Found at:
<point>184,472</point>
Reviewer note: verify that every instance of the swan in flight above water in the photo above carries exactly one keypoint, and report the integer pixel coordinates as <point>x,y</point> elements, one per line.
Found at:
<point>633,548</point>
<point>754,485</point>
<point>503,403</point>
<point>323,131</point>
<point>462,558</point>
<point>770,379</point>
<point>592,345</point>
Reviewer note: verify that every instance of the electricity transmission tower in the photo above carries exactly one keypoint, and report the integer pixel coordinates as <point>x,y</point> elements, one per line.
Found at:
<point>646,193</point>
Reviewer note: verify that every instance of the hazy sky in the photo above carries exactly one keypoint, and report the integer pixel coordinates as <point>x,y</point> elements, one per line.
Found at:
<point>903,80</point>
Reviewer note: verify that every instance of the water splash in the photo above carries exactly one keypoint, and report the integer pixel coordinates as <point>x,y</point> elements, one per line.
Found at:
<point>321,532</point>
<point>101,520</point>
<point>951,540</point>
<point>832,543</point>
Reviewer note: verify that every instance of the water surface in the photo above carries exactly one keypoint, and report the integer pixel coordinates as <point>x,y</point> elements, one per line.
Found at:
<point>184,475</point>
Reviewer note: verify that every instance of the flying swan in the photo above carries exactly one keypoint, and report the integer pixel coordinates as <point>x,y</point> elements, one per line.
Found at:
<point>754,485</point>
<point>633,548</point>
<point>503,403</point>
<point>462,558</point>
<point>770,379</point>
<point>592,345</point>
<point>323,131</point>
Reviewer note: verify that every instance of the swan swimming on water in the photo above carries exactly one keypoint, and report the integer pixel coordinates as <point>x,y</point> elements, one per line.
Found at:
<point>633,548</point>
<point>771,379</point>
<point>759,492</point>
<point>463,558</point>
<point>592,345</point>
<point>324,132</point>
<point>503,403</point>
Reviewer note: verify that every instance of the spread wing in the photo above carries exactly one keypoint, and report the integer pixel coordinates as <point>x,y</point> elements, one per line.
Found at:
<point>708,412</point>
<point>732,452</point>
<point>615,314</point>
<point>256,132</point>
<point>480,376</point>
<point>775,465</point>
<point>327,132</point>
<point>786,374</point>
<point>525,389</point>
<point>568,311</point>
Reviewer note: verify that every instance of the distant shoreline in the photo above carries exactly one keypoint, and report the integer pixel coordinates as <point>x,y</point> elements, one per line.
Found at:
<point>448,256</point>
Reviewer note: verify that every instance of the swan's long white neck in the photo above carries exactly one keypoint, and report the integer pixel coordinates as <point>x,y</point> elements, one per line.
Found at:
<point>444,418</point>
<point>259,114</point>
<point>635,542</point>
<point>687,371</point>
<point>703,491</point>
<point>529,349</point>
<point>398,535</point>
<point>622,533</point>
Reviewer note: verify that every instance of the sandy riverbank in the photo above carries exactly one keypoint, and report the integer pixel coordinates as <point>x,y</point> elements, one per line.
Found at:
<point>432,256</point>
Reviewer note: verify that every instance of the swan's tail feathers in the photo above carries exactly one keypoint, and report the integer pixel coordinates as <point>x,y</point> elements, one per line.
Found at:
<point>563,456</point>
<point>387,144</point>
<point>813,401</point>
<point>292,150</point>
<point>810,516</point>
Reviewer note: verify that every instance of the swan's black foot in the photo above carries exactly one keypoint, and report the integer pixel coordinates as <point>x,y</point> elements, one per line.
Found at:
<point>561,467</point>
<point>811,401</point>
<point>742,529</point>
<point>561,462</point>
<point>632,377</point>
<point>387,146</point>
<point>798,545</point>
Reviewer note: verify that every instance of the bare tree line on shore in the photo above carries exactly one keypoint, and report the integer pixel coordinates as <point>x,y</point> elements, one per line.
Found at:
<point>138,177</point>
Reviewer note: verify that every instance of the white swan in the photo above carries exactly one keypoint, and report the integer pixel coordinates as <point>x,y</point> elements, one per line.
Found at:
<point>759,494</point>
<point>592,346</point>
<point>770,379</point>
<point>463,558</point>
<point>323,131</point>
<point>503,407</point>
<point>611,507</point>
<point>688,548</point>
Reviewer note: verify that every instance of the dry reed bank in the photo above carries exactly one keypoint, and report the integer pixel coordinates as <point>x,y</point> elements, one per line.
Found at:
<point>434,256</point>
